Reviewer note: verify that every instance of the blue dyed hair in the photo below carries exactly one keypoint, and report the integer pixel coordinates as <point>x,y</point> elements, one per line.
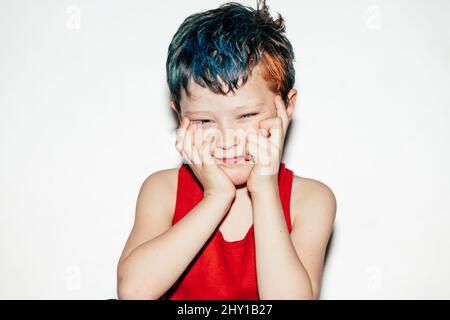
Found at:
<point>227,43</point>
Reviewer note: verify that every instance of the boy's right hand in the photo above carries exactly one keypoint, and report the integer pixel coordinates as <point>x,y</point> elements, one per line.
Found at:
<point>196,150</point>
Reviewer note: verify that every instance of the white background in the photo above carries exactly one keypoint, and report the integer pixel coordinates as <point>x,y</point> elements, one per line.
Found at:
<point>84,119</point>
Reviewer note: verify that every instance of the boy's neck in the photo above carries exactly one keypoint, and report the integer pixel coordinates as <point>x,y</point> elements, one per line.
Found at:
<point>242,192</point>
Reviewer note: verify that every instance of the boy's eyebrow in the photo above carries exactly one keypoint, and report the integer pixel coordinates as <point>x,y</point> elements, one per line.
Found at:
<point>257,104</point>
<point>194,112</point>
<point>237,108</point>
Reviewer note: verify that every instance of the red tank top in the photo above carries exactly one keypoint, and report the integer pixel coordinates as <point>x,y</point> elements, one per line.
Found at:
<point>222,270</point>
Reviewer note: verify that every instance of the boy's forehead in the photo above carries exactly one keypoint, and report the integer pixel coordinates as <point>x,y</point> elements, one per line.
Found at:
<point>255,90</point>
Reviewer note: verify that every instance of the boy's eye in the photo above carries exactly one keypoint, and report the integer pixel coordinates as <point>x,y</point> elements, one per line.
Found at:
<point>248,115</point>
<point>201,121</point>
<point>206,121</point>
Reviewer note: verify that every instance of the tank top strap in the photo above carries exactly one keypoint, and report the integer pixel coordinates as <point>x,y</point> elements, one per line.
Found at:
<point>285,179</point>
<point>189,192</point>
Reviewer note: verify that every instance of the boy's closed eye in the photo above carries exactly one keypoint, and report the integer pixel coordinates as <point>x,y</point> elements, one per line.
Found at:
<point>207,121</point>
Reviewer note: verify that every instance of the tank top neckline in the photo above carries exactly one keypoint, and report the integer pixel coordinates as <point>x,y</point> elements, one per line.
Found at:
<point>284,185</point>
<point>236,243</point>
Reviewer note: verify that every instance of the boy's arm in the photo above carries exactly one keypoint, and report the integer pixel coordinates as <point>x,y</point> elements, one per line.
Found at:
<point>289,266</point>
<point>315,212</point>
<point>157,253</point>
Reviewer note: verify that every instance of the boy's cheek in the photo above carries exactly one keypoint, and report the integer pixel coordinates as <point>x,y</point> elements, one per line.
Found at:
<point>203,134</point>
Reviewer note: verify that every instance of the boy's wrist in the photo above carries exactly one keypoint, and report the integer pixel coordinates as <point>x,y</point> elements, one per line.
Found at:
<point>267,191</point>
<point>219,197</point>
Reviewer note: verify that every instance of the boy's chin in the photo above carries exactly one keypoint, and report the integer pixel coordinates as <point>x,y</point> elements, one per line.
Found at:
<point>238,174</point>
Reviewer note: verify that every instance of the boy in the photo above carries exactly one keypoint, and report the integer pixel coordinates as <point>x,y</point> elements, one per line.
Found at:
<point>232,222</point>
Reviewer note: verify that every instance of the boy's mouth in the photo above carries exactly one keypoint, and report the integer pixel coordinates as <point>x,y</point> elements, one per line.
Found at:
<point>234,160</point>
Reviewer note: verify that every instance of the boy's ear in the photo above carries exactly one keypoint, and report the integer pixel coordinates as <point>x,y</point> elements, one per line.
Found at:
<point>172,105</point>
<point>290,104</point>
<point>174,108</point>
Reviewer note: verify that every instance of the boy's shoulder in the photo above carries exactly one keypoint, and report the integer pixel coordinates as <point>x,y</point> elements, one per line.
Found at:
<point>165,177</point>
<point>311,199</point>
<point>163,182</point>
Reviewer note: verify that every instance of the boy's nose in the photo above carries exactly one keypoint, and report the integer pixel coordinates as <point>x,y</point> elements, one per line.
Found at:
<point>227,143</point>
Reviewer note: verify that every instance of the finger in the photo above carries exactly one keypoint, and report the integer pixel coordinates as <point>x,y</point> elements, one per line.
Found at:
<point>205,135</point>
<point>259,154</point>
<point>271,123</point>
<point>206,150</point>
<point>186,157</point>
<point>181,131</point>
<point>211,132</point>
<point>184,122</point>
<point>196,145</point>
<point>213,146</point>
<point>198,135</point>
<point>252,146</point>
<point>251,149</point>
<point>181,135</point>
<point>188,147</point>
<point>282,112</point>
<point>275,127</point>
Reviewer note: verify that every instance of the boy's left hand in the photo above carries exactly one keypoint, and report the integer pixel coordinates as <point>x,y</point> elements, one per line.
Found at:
<point>266,149</point>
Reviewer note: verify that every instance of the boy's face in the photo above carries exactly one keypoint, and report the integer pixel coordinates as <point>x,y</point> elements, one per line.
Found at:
<point>229,117</point>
